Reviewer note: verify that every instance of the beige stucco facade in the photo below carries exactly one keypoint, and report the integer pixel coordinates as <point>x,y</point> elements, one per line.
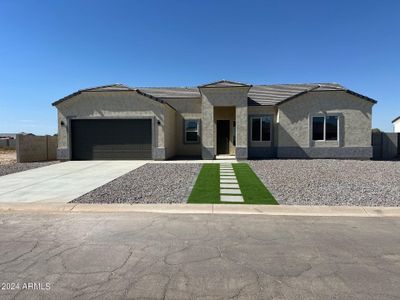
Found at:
<point>294,125</point>
<point>185,109</point>
<point>212,98</point>
<point>290,122</point>
<point>117,105</point>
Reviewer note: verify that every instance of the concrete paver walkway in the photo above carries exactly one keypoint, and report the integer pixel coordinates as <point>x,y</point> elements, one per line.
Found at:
<point>62,182</point>
<point>229,187</point>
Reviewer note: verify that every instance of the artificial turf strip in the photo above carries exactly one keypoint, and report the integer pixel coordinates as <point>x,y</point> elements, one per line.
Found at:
<point>206,188</point>
<point>253,190</point>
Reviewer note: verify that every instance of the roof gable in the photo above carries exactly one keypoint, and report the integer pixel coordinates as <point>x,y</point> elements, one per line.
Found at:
<point>117,87</point>
<point>110,87</point>
<point>224,84</point>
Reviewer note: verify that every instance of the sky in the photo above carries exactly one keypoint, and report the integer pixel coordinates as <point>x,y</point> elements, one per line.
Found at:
<point>49,49</point>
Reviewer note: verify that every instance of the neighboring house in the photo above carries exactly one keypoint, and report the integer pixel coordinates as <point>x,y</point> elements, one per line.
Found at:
<point>8,136</point>
<point>7,141</point>
<point>396,125</point>
<point>262,121</point>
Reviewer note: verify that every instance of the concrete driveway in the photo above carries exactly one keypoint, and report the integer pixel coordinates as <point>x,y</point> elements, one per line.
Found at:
<point>169,256</point>
<point>61,182</point>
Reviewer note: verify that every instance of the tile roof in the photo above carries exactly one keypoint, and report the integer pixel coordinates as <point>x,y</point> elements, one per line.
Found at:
<point>272,94</point>
<point>172,92</point>
<point>276,93</point>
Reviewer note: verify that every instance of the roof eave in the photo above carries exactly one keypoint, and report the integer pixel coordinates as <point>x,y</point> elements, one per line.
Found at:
<point>55,103</point>
<point>111,90</point>
<point>315,89</point>
<point>398,118</point>
<point>373,101</point>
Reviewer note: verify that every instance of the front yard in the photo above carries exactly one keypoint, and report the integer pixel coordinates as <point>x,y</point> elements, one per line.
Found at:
<point>301,182</point>
<point>151,183</point>
<point>208,186</point>
<point>331,182</point>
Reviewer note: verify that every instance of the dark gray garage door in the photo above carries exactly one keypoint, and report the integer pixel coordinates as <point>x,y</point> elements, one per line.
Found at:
<point>111,139</point>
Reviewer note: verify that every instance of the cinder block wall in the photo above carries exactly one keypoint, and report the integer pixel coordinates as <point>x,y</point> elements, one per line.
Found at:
<point>386,145</point>
<point>7,144</point>
<point>33,148</point>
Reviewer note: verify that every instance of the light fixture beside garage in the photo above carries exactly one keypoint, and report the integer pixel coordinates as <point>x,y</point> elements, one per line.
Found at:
<point>158,122</point>
<point>62,123</point>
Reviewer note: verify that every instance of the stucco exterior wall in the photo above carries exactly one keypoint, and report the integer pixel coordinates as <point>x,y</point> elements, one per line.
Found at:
<point>110,105</point>
<point>226,96</point>
<point>169,131</point>
<point>294,126</point>
<point>186,109</point>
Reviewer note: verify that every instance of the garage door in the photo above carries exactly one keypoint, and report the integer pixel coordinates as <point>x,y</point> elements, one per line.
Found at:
<point>111,139</point>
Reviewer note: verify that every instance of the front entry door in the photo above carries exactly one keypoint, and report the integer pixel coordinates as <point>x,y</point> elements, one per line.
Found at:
<point>222,136</point>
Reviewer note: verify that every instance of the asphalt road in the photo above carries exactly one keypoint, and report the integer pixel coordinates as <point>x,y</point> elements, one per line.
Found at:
<point>165,256</point>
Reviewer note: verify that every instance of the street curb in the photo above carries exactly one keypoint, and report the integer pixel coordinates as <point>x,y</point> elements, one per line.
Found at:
<point>271,210</point>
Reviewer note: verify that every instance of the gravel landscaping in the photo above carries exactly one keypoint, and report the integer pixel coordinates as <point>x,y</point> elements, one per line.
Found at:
<point>11,168</point>
<point>9,165</point>
<point>151,183</point>
<point>331,182</point>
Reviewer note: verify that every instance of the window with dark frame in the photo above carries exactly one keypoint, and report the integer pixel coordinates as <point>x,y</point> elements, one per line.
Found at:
<point>261,129</point>
<point>318,128</point>
<point>325,128</point>
<point>192,131</point>
<point>331,126</point>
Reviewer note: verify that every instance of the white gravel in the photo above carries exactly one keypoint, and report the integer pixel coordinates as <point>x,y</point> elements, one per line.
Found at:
<point>331,182</point>
<point>151,183</point>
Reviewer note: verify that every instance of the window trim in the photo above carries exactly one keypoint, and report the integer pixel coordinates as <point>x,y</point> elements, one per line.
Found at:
<point>324,130</point>
<point>185,141</point>
<point>260,140</point>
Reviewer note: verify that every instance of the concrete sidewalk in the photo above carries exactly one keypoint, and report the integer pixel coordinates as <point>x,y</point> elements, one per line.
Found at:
<point>61,182</point>
<point>275,210</point>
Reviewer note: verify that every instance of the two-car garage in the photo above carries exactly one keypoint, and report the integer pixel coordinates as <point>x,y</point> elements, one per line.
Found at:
<point>111,139</point>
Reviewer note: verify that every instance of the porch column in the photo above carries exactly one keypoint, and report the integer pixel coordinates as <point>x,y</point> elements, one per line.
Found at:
<point>207,130</point>
<point>241,132</point>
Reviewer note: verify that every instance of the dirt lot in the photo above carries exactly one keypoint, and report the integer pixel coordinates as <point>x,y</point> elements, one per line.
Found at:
<point>9,165</point>
<point>7,156</point>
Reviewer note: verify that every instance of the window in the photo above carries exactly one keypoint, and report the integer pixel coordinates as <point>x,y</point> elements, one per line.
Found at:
<point>318,128</point>
<point>191,131</point>
<point>331,128</point>
<point>261,129</point>
<point>325,128</point>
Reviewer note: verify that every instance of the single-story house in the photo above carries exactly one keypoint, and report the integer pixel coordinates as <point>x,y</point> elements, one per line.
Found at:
<point>396,124</point>
<point>316,120</point>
